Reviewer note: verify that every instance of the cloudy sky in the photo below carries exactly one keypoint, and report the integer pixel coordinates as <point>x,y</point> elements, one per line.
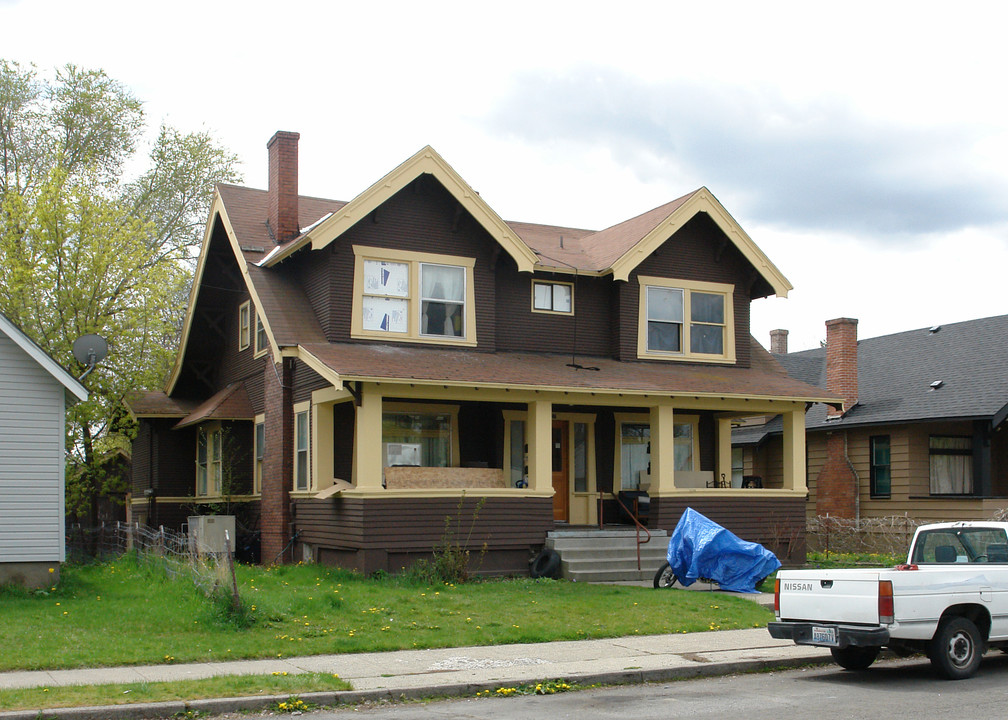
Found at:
<point>863,146</point>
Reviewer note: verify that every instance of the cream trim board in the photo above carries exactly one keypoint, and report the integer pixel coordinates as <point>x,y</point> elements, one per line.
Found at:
<point>552,284</point>
<point>413,298</point>
<point>426,409</point>
<point>426,161</point>
<point>302,409</point>
<point>702,201</point>
<point>688,287</point>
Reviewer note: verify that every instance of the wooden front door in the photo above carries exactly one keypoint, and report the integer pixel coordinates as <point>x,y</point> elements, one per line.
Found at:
<point>561,471</point>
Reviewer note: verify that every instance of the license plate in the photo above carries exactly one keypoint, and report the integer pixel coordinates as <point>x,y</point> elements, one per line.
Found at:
<point>824,635</point>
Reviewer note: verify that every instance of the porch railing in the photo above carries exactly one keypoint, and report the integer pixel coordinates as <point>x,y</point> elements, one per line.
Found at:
<point>633,516</point>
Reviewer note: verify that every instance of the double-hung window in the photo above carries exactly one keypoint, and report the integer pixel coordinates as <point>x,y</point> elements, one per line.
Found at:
<point>301,445</point>
<point>209,459</point>
<point>244,324</point>
<point>951,464</point>
<point>686,320</point>
<point>880,466</point>
<point>260,336</point>
<point>414,297</point>
<point>259,446</point>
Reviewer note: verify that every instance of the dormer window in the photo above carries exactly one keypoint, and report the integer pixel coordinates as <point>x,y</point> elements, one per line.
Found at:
<point>414,297</point>
<point>686,320</point>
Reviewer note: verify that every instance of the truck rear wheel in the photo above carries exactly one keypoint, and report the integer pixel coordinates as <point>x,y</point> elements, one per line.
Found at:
<point>956,648</point>
<point>855,658</point>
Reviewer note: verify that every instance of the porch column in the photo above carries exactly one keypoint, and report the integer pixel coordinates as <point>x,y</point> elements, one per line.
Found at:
<point>662,450</point>
<point>367,459</point>
<point>540,441</point>
<point>724,468</point>
<point>794,449</point>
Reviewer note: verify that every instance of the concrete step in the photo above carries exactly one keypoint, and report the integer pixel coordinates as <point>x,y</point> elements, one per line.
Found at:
<point>607,555</point>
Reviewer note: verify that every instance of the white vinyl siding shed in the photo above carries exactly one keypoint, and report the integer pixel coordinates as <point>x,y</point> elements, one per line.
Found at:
<point>34,394</point>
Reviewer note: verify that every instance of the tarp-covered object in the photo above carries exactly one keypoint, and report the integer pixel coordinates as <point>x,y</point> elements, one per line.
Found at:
<point>700,548</point>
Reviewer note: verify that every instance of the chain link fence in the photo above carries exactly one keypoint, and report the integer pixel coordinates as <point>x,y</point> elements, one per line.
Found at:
<point>175,554</point>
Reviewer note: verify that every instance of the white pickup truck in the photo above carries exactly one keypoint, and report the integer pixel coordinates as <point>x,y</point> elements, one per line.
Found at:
<point>950,601</point>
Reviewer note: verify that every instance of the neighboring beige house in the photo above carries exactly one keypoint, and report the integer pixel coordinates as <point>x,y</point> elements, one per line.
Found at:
<point>923,432</point>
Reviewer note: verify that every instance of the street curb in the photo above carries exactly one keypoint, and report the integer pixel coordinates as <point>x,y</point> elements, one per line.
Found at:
<point>218,706</point>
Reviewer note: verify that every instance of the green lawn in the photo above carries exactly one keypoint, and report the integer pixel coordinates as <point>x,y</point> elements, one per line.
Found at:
<point>124,613</point>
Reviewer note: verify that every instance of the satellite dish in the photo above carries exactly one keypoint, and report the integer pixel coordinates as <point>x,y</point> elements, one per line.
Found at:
<point>89,350</point>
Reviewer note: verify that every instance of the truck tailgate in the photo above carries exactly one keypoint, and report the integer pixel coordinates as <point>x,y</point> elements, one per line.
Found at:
<point>839,596</point>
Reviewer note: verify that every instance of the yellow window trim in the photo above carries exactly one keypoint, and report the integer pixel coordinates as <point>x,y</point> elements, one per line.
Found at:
<point>427,409</point>
<point>645,419</point>
<point>413,260</point>
<point>551,283</point>
<point>305,408</point>
<point>688,287</point>
<point>244,325</point>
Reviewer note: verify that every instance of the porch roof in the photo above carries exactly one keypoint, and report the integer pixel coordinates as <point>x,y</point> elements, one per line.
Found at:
<point>231,403</point>
<point>340,362</point>
<point>155,403</point>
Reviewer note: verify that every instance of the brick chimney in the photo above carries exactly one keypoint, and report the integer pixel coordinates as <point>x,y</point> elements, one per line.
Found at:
<point>837,485</point>
<point>841,361</point>
<point>778,342</point>
<point>283,186</point>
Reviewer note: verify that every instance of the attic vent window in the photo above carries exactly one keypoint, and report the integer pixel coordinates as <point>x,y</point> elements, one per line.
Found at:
<point>252,248</point>
<point>933,329</point>
<point>937,384</point>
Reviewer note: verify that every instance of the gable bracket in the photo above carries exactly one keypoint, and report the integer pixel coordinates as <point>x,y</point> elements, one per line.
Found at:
<point>203,372</point>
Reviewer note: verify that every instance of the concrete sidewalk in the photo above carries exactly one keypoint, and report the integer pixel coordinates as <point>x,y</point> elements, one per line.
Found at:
<point>407,674</point>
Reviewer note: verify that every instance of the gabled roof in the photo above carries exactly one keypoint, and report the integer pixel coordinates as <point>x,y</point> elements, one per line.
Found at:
<point>426,161</point>
<point>73,390</point>
<point>287,314</point>
<point>895,373</point>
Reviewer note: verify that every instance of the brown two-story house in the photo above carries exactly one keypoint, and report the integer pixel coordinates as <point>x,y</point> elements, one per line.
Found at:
<point>350,372</point>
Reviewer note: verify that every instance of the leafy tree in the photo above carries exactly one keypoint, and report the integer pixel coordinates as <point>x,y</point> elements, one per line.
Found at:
<point>86,250</point>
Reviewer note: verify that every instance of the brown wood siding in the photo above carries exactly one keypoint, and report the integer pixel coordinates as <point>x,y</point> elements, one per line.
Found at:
<point>695,252</point>
<point>240,365</point>
<point>419,218</point>
<point>307,381</point>
<point>175,459</point>
<point>378,533</point>
<point>142,470</point>
<point>776,523</point>
<point>521,329</point>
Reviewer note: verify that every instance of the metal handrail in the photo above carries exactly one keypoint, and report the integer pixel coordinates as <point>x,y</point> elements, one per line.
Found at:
<point>633,516</point>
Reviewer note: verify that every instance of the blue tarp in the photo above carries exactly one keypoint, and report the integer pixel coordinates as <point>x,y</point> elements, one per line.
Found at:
<point>700,548</point>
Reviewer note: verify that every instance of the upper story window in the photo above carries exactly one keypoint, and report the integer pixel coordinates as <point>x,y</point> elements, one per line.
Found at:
<point>686,320</point>
<point>260,336</point>
<point>418,297</point>
<point>244,324</point>
<point>555,297</point>
<point>259,447</point>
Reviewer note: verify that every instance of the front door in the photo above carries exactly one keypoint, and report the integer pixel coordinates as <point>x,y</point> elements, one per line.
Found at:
<point>561,472</point>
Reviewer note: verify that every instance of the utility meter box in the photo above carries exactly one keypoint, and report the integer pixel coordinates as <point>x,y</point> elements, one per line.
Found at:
<point>206,533</point>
